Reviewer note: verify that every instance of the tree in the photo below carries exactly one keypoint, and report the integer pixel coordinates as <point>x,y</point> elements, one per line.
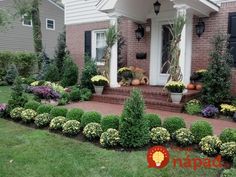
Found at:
<point>31,8</point>
<point>11,75</point>
<point>134,131</point>
<point>5,19</point>
<point>60,52</point>
<point>217,80</point>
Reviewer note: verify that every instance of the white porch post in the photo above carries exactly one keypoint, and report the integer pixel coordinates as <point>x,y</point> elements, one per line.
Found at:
<point>186,42</point>
<point>114,58</point>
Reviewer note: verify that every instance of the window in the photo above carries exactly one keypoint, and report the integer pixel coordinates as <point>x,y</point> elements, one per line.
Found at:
<point>26,20</point>
<point>50,24</point>
<point>98,45</point>
<point>232,32</point>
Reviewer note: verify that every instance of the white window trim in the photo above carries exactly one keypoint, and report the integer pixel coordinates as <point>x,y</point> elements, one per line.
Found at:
<point>54,26</point>
<point>93,47</point>
<point>23,24</point>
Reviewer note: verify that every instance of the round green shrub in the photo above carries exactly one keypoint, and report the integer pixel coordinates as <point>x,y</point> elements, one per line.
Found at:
<point>92,131</point>
<point>57,123</point>
<point>75,114</point>
<point>159,135</point>
<point>154,120</point>
<point>210,145</point>
<point>228,150</point>
<point>71,127</point>
<point>183,137</point>
<point>110,138</point>
<point>200,129</point>
<point>16,113</point>
<point>28,115</point>
<point>90,117</point>
<point>85,94</point>
<point>173,123</point>
<point>228,135</point>
<point>75,94</point>
<point>58,111</point>
<point>42,120</point>
<point>46,108</point>
<point>193,107</point>
<point>229,173</point>
<point>110,121</point>
<point>32,105</point>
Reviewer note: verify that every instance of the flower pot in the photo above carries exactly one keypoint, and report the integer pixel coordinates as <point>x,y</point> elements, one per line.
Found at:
<point>176,97</point>
<point>98,89</point>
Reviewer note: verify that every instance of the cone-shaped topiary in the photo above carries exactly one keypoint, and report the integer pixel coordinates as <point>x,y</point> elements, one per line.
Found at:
<point>134,131</point>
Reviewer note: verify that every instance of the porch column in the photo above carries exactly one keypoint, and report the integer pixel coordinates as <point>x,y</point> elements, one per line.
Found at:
<point>186,42</point>
<point>114,58</point>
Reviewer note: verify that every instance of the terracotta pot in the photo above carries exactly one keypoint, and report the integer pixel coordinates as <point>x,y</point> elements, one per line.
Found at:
<point>191,87</point>
<point>135,82</point>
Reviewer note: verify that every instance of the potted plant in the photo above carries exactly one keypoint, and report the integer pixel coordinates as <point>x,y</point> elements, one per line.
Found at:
<point>99,82</point>
<point>176,89</point>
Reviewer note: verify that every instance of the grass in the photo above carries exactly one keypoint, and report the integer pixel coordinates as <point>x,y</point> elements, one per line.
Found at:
<point>5,94</point>
<point>35,153</point>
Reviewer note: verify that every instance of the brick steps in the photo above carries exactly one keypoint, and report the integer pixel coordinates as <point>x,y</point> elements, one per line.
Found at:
<point>155,97</point>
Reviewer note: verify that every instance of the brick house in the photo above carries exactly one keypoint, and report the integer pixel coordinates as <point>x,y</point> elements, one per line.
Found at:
<point>87,20</point>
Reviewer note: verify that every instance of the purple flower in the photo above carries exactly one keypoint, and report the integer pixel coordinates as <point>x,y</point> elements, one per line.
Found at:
<point>3,107</point>
<point>45,92</point>
<point>210,111</point>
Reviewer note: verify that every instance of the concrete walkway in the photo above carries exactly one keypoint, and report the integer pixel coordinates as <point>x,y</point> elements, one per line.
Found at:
<point>106,109</point>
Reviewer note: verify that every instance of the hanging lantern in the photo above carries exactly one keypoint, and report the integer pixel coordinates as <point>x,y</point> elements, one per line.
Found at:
<point>200,28</point>
<point>139,32</point>
<point>157,7</point>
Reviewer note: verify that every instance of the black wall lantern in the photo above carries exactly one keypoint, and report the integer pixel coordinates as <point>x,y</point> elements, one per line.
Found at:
<point>139,32</point>
<point>200,27</point>
<point>157,7</point>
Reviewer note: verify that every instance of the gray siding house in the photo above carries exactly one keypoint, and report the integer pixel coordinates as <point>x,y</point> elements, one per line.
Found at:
<point>19,37</point>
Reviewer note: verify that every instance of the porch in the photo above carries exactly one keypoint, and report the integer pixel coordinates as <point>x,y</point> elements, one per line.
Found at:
<point>154,96</point>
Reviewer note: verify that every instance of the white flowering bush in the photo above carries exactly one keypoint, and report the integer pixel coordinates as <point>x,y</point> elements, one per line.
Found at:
<point>57,123</point>
<point>28,115</point>
<point>43,120</point>
<point>110,138</point>
<point>92,131</point>
<point>210,145</point>
<point>71,127</point>
<point>228,150</point>
<point>16,113</point>
<point>159,135</point>
<point>183,137</point>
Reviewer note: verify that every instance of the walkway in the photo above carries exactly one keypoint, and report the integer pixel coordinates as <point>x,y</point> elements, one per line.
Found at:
<point>105,109</point>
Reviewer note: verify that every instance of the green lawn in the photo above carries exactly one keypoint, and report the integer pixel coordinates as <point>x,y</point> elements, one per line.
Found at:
<point>5,94</point>
<point>26,152</point>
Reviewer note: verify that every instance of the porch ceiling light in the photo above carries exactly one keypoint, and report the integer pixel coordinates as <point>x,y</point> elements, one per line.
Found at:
<point>139,32</point>
<point>157,6</point>
<point>200,27</point>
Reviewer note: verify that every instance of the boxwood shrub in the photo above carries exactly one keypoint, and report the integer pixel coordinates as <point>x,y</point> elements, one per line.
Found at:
<point>228,135</point>
<point>58,111</point>
<point>46,108</point>
<point>110,121</point>
<point>154,120</point>
<point>90,117</point>
<point>200,129</point>
<point>32,105</point>
<point>75,114</point>
<point>174,123</point>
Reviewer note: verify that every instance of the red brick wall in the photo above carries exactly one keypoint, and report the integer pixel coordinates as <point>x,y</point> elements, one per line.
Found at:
<point>75,39</point>
<point>201,46</point>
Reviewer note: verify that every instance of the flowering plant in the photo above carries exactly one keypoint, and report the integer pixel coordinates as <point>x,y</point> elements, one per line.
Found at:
<point>3,108</point>
<point>110,138</point>
<point>198,75</point>
<point>228,150</point>
<point>159,135</point>
<point>227,109</point>
<point>45,92</point>
<point>210,145</point>
<point>175,86</point>
<point>92,131</point>
<point>124,69</point>
<point>28,115</point>
<point>210,111</point>
<point>193,107</point>
<point>183,137</point>
<point>71,127</point>
<point>99,80</point>
<point>57,123</point>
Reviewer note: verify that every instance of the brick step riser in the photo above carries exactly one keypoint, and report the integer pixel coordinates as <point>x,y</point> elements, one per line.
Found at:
<point>145,95</point>
<point>148,105</point>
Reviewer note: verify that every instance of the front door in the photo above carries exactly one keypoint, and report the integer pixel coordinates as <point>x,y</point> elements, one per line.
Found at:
<point>164,54</point>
